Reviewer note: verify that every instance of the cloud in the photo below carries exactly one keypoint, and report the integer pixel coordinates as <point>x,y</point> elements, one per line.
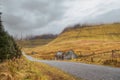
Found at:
<point>34,17</point>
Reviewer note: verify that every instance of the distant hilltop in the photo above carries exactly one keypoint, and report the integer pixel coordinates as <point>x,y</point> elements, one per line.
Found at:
<point>44,36</point>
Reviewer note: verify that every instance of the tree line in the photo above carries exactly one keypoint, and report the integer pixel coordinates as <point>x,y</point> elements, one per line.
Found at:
<point>8,47</point>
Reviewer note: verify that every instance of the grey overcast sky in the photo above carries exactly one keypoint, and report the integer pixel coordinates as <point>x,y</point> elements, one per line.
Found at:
<point>36,17</point>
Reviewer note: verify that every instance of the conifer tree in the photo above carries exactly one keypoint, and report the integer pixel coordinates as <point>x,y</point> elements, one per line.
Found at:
<point>8,47</point>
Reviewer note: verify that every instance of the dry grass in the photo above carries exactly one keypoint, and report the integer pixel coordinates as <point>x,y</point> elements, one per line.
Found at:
<point>85,41</point>
<point>21,69</point>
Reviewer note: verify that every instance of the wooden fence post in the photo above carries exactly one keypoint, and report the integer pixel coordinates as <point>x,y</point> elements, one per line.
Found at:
<point>113,51</point>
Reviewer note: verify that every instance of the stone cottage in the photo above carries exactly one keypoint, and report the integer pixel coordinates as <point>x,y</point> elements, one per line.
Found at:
<point>70,55</point>
<point>65,56</point>
<point>59,55</point>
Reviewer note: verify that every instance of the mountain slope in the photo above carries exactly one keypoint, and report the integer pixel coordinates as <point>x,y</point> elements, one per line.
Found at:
<point>98,32</point>
<point>83,40</point>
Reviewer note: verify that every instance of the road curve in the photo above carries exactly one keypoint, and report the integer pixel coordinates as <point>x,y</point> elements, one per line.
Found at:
<point>84,71</point>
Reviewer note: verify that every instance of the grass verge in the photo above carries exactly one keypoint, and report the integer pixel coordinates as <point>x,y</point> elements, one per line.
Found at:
<point>22,69</point>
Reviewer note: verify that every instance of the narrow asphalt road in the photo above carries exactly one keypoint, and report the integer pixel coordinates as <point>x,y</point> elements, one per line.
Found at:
<point>84,71</point>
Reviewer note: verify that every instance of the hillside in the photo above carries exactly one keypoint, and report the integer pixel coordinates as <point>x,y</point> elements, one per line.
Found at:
<point>43,36</point>
<point>83,40</point>
<point>104,32</point>
<point>38,40</point>
<point>33,43</point>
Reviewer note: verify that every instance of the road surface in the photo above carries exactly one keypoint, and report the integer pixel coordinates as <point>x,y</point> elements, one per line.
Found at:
<point>84,71</point>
